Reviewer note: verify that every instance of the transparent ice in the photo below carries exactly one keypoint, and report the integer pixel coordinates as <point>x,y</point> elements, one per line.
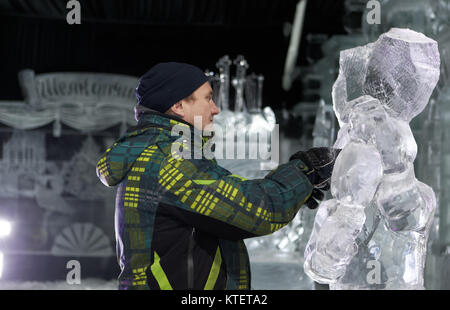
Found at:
<point>244,132</point>
<point>373,233</point>
<point>430,17</point>
<point>332,243</point>
<point>370,124</point>
<point>357,173</point>
<point>400,69</point>
<point>404,202</point>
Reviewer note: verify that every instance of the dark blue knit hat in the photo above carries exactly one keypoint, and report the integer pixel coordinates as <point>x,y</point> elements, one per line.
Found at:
<point>167,83</point>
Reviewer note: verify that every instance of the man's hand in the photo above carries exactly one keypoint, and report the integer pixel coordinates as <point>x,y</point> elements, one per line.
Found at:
<point>315,198</point>
<point>320,163</point>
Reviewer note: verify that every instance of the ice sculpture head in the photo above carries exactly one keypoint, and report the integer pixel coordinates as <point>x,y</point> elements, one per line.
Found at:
<point>400,69</point>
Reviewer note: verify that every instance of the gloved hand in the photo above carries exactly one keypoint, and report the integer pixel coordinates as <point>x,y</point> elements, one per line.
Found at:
<point>315,198</point>
<point>320,163</point>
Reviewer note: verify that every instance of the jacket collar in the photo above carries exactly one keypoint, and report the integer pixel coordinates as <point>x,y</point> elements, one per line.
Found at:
<point>151,117</point>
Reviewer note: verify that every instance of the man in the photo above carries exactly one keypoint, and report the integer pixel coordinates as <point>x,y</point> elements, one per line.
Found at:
<point>181,220</point>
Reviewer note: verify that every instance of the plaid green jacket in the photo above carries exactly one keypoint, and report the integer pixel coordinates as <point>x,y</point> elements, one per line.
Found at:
<point>180,222</point>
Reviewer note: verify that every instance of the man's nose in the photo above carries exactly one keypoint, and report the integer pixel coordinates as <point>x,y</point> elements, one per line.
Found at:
<point>215,109</point>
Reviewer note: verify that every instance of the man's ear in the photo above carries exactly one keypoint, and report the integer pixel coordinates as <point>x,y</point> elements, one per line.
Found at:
<point>177,109</point>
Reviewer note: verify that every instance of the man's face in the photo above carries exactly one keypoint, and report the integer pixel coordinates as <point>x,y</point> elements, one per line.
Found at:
<point>200,107</point>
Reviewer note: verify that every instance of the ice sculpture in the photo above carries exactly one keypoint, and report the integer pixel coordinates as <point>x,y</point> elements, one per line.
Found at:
<point>222,91</point>
<point>431,126</point>
<point>244,134</point>
<point>373,233</point>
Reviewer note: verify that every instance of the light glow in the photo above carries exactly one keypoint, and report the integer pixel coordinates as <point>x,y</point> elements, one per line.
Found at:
<point>5,228</point>
<point>1,264</point>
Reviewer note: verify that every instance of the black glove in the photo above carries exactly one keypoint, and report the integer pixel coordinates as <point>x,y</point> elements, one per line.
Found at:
<point>320,163</point>
<point>315,198</point>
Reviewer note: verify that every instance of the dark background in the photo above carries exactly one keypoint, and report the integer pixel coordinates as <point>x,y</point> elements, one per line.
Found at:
<point>130,36</point>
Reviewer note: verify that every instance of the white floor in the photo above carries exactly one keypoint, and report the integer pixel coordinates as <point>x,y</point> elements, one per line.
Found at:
<point>86,284</point>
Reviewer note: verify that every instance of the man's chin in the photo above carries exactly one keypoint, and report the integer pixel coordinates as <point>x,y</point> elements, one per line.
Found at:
<point>209,128</point>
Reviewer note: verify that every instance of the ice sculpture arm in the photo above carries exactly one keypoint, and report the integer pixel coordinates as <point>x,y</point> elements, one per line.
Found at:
<point>357,173</point>
<point>228,206</point>
<point>406,203</point>
<point>343,137</point>
<point>356,176</point>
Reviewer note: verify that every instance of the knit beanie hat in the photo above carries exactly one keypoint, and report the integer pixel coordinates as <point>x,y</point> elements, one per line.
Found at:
<point>167,83</point>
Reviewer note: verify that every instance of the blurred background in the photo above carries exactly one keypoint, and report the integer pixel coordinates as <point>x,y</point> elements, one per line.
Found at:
<point>67,92</point>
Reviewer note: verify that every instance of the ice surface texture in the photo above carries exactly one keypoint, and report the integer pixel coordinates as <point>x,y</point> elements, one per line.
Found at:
<point>357,174</point>
<point>400,69</point>
<point>372,234</point>
<point>332,244</point>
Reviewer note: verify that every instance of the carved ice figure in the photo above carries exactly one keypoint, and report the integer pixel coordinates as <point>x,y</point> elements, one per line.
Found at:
<point>243,135</point>
<point>373,233</point>
<point>400,69</point>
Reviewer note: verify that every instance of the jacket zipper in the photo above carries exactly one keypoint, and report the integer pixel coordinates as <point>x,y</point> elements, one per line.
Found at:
<point>190,261</point>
